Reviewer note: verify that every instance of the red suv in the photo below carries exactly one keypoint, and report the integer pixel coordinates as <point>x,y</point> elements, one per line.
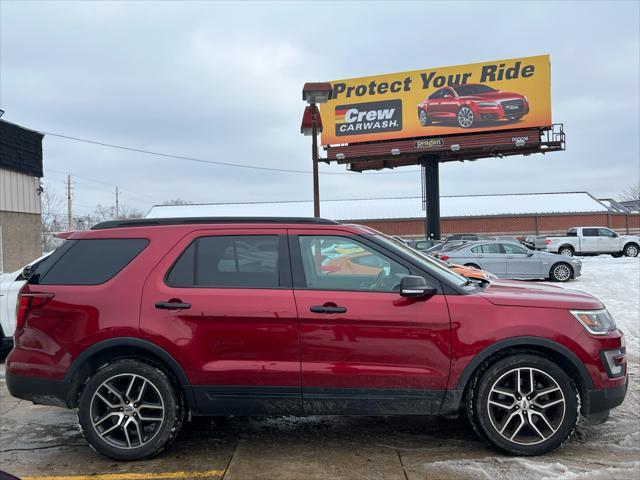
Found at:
<point>141,323</point>
<point>469,104</point>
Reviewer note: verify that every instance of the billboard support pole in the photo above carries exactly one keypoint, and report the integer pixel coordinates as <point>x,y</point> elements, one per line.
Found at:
<point>431,194</point>
<point>314,159</point>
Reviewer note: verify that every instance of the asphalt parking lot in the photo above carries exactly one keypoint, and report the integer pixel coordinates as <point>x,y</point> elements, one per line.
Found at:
<point>38,442</point>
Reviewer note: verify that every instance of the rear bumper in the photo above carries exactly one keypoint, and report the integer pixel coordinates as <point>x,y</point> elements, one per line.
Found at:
<point>596,401</point>
<point>41,391</point>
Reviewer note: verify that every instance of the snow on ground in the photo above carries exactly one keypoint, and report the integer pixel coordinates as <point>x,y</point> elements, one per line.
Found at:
<point>610,451</point>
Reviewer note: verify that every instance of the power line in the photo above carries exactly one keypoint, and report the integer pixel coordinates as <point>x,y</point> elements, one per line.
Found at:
<point>201,160</point>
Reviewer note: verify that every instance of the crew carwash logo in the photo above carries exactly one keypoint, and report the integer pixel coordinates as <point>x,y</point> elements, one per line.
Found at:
<point>370,117</point>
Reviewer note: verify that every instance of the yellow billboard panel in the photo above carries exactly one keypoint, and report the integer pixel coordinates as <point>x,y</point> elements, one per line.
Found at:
<point>497,95</point>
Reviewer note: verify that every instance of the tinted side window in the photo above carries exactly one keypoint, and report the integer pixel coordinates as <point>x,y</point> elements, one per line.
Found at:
<point>436,95</point>
<point>89,262</point>
<point>590,232</point>
<point>245,261</point>
<point>491,248</point>
<point>513,249</point>
<point>342,263</point>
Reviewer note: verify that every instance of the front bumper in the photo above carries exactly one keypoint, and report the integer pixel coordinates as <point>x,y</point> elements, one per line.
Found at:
<point>596,401</point>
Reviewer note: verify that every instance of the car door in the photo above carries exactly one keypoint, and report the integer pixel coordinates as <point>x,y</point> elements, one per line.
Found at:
<point>490,257</point>
<point>608,241</point>
<point>234,328</point>
<point>520,262</point>
<point>589,242</point>
<point>364,348</point>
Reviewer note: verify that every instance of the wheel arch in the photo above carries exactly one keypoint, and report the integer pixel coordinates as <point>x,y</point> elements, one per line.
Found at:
<point>565,358</point>
<point>630,242</point>
<point>98,354</point>
<point>567,245</point>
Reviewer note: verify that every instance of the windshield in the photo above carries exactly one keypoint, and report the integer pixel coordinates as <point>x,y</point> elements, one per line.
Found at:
<point>424,261</point>
<point>465,90</point>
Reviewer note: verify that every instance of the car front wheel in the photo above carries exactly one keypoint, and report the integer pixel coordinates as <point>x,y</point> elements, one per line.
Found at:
<point>524,404</point>
<point>631,250</point>
<point>465,117</point>
<point>129,410</point>
<point>561,272</point>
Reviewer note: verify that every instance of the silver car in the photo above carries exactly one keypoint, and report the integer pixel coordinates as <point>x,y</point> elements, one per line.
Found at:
<point>512,260</point>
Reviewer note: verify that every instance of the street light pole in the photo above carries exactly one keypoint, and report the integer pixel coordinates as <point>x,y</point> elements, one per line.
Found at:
<point>314,159</point>
<point>314,93</point>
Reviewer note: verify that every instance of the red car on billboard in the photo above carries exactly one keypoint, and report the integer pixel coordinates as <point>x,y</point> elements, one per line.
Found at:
<point>469,104</point>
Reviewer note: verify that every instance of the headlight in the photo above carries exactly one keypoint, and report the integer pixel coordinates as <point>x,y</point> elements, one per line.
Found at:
<point>487,104</point>
<point>597,322</point>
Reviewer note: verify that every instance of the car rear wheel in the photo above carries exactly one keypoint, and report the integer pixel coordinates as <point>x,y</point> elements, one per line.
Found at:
<point>423,117</point>
<point>524,404</point>
<point>631,250</point>
<point>561,272</point>
<point>566,251</point>
<point>465,117</point>
<point>129,410</point>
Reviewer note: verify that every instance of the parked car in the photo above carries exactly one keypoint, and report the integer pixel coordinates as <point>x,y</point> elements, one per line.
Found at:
<point>467,237</point>
<point>423,245</point>
<point>535,242</point>
<point>594,241</point>
<point>10,285</point>
<point>449,246</point>
<point>472,103</point>
<point>139,324</point>
<point>512,260</point>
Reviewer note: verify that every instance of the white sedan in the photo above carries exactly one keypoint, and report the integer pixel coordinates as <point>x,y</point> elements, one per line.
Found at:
<point>10,285</point>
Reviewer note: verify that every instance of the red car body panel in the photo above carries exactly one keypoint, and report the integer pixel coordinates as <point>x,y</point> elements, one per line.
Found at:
<point>270,338</point>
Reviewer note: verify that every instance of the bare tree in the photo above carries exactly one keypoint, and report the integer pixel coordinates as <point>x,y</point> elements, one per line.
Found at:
<point>104,213</point>
<point>177,202</point>
<point>52,218</point>
<point>631,193</point>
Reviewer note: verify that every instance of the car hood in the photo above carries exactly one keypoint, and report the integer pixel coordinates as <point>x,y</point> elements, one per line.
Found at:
<point>526,294</point>
<point>493,96</point>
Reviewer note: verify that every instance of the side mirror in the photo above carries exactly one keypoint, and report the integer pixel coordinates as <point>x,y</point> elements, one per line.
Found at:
<point>413,286</point>
<point>27,272</point>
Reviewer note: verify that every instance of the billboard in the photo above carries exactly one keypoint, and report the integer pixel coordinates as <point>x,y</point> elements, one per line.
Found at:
<point>488,96</point>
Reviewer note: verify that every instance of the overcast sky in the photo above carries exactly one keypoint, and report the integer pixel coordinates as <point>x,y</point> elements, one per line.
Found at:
<point>222,81</point>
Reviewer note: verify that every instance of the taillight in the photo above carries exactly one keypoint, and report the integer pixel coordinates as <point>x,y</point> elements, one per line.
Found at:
<point>547,241</point>
<point>27,301</point>
<point>444,258</point>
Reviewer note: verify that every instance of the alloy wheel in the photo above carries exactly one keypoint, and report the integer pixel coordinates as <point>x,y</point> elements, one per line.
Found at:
<point>465,117</point>
<point>631,251</point>
<point>127,411</point>
<point>567,252</point>
<point>561,272</point>
<point>526,406</point>
<point>423,117</point>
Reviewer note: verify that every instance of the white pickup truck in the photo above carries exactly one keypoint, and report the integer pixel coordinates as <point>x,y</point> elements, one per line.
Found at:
<point>593,241</point>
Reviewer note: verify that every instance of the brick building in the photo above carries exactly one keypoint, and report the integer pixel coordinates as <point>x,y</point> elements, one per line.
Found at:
<point>20,173</point>
<point>509,214</point>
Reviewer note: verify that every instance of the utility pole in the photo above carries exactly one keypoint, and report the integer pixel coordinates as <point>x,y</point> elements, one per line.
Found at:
<point>117,205</point>
<point>69,203</point>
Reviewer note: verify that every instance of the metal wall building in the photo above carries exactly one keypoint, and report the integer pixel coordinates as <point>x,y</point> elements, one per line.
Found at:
<point>20,208</point>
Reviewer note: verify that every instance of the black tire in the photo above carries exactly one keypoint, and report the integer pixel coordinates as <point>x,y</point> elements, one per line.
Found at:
<point>465,117</point>
<point>156,435</point>
<point>562,417</point>
<point>617,255</point>
<point>631,250</point>
<point>561,272</point>
<point>472,265</point>
<point>423,118</point>
<point>566,250</point>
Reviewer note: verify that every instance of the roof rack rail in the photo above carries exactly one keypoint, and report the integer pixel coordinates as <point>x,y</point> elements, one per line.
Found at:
<point>156,222</point>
